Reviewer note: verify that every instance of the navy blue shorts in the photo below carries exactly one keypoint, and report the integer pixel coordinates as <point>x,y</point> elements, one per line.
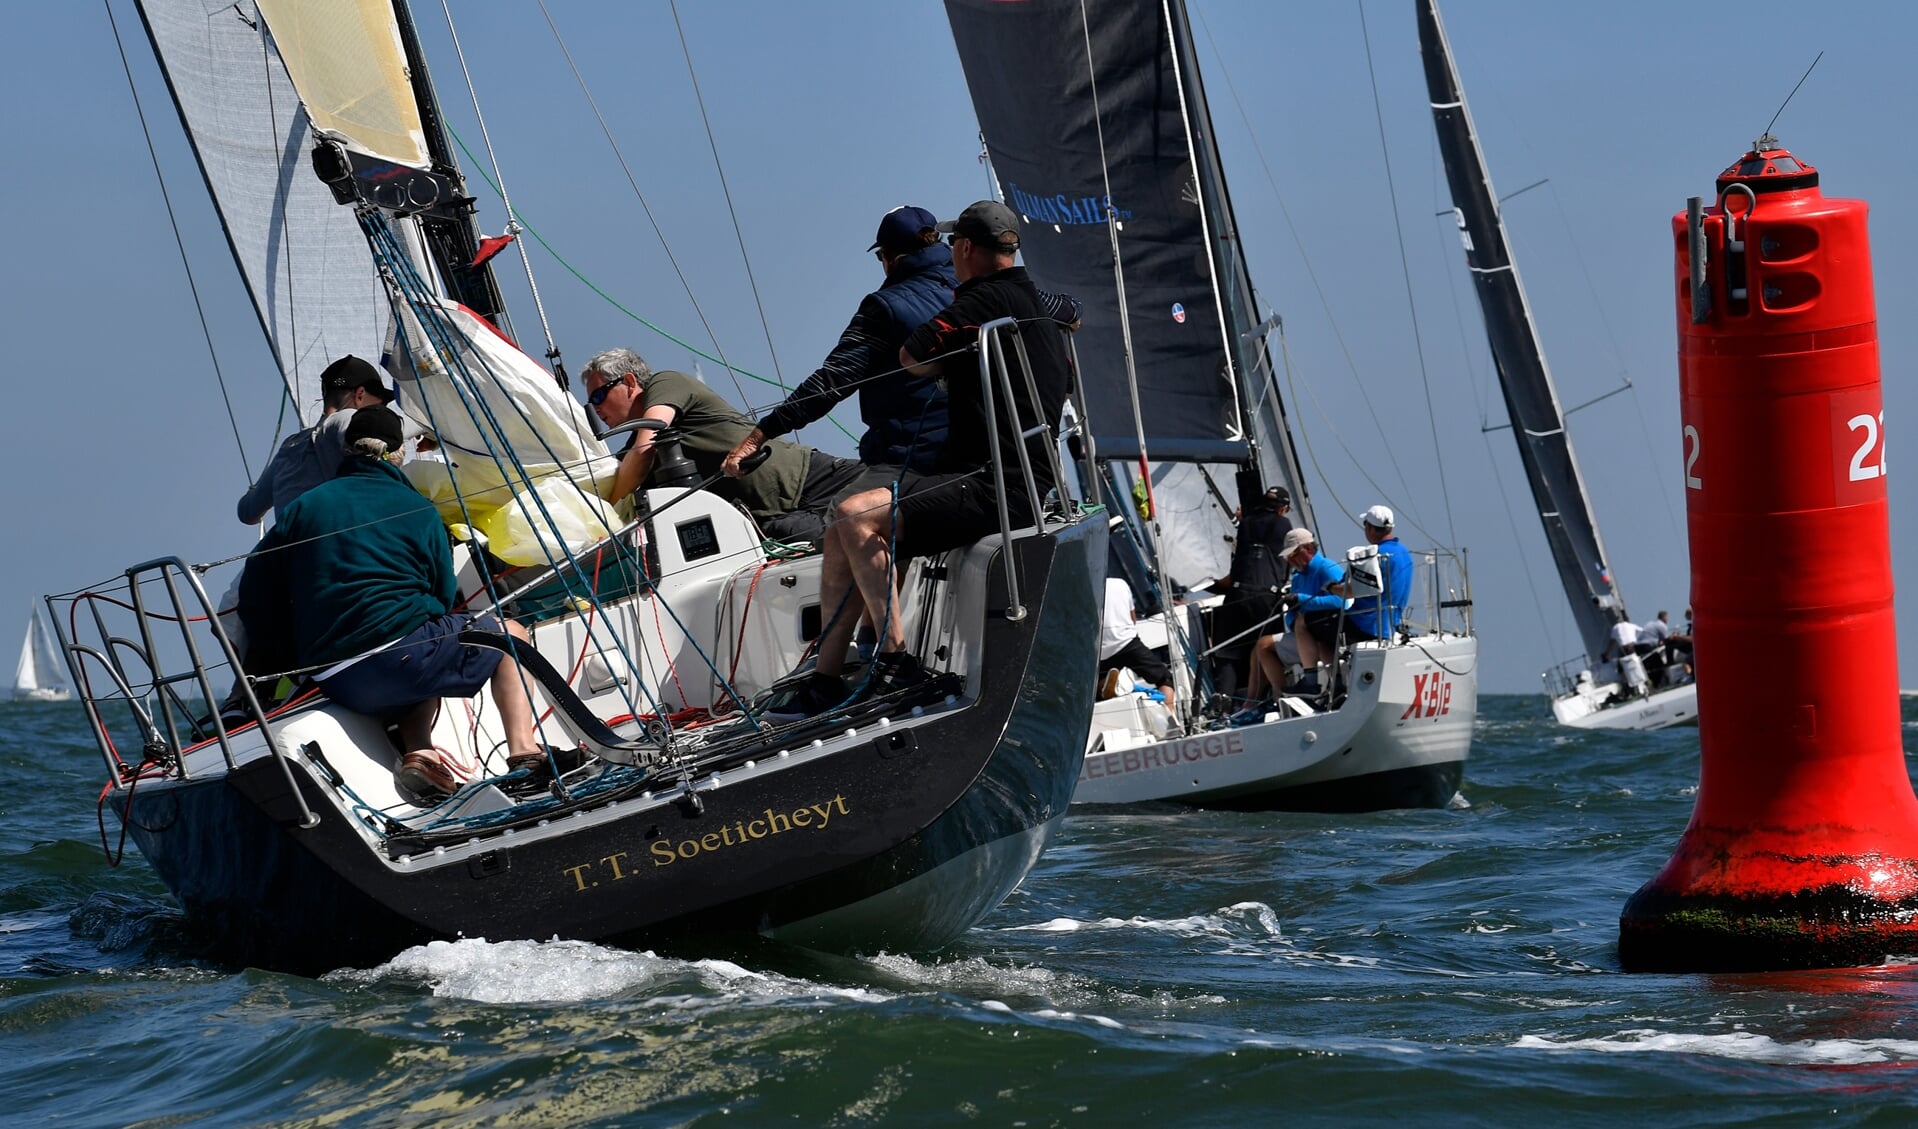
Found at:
<point>427,664</point>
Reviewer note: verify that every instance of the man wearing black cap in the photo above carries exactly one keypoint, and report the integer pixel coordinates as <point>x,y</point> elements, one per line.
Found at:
<point>354,583</point>
<point>1251,590</point>
<point>957,504</point>
<point>309,457</point>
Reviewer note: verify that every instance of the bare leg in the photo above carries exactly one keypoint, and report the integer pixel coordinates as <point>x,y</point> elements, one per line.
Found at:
<point>865,533</point>
<point>510,695</point>
<point>1268,670</point>
<point>835,591</point>
<point>416,727</point>
<point>1311,651</point>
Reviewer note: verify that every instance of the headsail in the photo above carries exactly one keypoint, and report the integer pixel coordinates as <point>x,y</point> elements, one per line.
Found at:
<point>304,261</point>
<point>1530,398</point>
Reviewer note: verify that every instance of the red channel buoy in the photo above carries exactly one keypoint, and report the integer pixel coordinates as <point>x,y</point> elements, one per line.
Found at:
<point>1802,850</point>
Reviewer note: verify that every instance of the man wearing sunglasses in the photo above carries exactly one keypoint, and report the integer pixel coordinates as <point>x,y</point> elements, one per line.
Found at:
<point>790,494</point>
<point>957,504</point>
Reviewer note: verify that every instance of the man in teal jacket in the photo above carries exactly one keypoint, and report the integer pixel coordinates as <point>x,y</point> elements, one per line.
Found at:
<point>356,579</point>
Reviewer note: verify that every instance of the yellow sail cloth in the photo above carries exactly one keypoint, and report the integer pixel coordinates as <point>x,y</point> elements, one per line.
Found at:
<point>346,60</point>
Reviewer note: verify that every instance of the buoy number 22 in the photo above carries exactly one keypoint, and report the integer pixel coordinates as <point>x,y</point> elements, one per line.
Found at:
<point>1872,439</point>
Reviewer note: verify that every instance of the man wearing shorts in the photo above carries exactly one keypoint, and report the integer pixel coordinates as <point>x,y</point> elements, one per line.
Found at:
<point>358,573</point>
<point>916,515</point>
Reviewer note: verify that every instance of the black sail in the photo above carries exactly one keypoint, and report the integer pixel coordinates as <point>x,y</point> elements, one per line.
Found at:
<point>1530,399</point>
<point>1076,111</point>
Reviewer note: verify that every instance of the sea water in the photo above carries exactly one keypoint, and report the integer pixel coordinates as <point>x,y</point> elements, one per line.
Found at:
<point>1160,966</point>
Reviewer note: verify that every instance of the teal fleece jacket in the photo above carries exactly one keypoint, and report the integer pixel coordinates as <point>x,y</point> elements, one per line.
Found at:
<point>350,565</point>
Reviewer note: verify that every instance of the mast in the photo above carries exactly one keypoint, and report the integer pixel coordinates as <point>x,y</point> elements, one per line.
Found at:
<point>1531,401</point>
<point>1274,458</point>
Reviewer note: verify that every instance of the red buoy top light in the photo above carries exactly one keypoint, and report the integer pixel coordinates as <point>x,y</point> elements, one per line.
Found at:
<point>1769,167</point>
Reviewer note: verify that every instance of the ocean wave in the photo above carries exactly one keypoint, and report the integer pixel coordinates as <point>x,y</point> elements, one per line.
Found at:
<point>1232,921</point>
<point>1748,1046</point>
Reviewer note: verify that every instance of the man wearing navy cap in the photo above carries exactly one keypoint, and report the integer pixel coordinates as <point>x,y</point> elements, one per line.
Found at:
<point>904,413</point>
<point>922,514</point>
<point>905,416</point>
<point>309,457</point>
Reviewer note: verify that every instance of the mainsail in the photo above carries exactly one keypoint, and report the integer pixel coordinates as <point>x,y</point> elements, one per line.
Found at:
<point>1530,398</point>
<point>1085,105</point>
<point>305,263</point>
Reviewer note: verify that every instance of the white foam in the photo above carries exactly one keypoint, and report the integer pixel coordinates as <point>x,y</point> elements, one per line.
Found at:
<point>1749,1046</point>
<point>574,971</point>
<point>1231,921</point>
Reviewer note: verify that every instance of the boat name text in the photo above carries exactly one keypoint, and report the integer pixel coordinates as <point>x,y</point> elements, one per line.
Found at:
<point>1168,755</point>
<point>666,852</point>
<point>1431,696</point>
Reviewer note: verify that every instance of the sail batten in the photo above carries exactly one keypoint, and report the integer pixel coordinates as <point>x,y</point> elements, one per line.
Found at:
<point>1531,399</point>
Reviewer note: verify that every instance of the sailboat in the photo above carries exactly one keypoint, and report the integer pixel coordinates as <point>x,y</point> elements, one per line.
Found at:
<point>40,675</point>
<point>669,807</point>
<point>1585,692</point>
<point>1095,121</point>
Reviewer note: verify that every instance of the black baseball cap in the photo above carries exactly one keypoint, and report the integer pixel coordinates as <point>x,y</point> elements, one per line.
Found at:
<point>899,229</point>
<point>376,423</point>
<point>984,222</point>
<point>350,372</point>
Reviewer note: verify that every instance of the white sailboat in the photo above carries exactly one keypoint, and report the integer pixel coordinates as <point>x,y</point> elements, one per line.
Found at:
<point>40,676</point>
<point>894,821</point>
<point>1586,693</point>
<point>1095,120</point>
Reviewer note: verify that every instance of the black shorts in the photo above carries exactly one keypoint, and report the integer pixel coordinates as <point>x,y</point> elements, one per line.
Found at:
<point>1141,660</point>
<point>429,663</point>
<point>937,512</point>
<point>828,478</point>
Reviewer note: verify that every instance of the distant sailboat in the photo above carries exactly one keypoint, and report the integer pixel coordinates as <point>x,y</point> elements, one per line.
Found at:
<point>40,676</point>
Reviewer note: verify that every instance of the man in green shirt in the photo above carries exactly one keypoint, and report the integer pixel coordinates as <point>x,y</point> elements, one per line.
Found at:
<point>790,494</point>
<point>356,577</point>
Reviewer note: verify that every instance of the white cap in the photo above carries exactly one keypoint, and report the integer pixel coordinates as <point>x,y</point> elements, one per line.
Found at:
<point>1378,517</point>
<point>1296,538</point>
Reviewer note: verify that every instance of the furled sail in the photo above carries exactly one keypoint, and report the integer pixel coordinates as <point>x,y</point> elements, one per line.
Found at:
<point>305,263</point>
<point>1530,398</point>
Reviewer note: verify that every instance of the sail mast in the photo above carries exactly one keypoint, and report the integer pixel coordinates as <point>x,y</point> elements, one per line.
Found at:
<point>1531,400</point>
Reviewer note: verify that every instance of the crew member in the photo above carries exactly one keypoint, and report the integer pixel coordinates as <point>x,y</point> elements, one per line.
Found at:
<point>789,494</point>
<point>1379,614</point>
<point>310,456</point>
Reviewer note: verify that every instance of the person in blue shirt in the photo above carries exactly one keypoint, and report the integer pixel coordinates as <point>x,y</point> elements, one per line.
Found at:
<point>1379,616</point>
<point>1315,605</point>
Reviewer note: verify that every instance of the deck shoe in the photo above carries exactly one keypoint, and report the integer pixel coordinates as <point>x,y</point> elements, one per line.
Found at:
<point>1307,687</point>
<point>423,780</point>
<point>1109,684</point>
<point>814,695</point>
<point>1253,714</point>
<point>539,769</point>
<point>893,671</point>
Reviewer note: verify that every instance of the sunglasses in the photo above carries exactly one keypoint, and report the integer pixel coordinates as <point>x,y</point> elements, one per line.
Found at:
<point>598,395</point>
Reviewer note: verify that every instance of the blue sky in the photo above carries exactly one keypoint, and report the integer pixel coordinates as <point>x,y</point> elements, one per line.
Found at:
<point>117,446</point>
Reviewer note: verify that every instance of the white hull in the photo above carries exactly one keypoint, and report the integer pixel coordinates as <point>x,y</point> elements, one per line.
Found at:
<point>1604,707</point>
<point>43,694</point>
<point>1407,721</point>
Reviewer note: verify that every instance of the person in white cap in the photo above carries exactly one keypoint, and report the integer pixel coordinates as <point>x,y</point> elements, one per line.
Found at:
<point>1379,615</point>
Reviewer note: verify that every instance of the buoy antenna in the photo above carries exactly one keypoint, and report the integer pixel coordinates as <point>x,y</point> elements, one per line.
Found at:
<point>1788,97</point>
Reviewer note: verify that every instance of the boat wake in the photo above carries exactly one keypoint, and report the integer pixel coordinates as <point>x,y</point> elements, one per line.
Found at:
<point>1749,1046</point>
<point>558,971</point>
<point>1239,920</point>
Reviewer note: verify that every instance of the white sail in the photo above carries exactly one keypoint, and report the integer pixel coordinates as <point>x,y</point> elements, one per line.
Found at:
<point>349,65</point>
<point>305,262</point>
<point>39,676</point>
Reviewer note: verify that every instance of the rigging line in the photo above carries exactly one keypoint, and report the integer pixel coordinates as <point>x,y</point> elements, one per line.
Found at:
<point>1793,94</point>
<point>1325,302</point>
<point>659,233</point>
<point>1293,384</point>
<point>726,191</point>
<point>1405,266</point>
<point>608,298</point>
<point>512,220</point>
<point>1471,376</point>
<point>167,199</point>
<point>1644,426</point>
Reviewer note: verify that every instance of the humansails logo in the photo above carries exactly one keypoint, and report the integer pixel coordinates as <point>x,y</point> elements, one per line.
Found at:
<point>1063,209</point>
